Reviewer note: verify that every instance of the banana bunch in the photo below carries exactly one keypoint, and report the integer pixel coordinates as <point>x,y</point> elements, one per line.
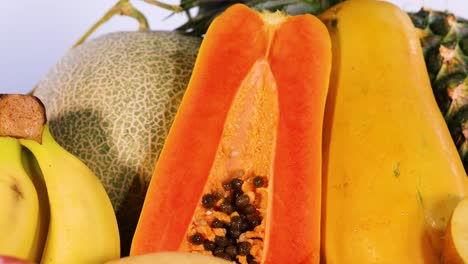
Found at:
<point>53,208</point>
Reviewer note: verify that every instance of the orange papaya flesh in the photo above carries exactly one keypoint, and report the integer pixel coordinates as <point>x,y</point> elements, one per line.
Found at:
<point>299,61</point>
<point>239,176</point>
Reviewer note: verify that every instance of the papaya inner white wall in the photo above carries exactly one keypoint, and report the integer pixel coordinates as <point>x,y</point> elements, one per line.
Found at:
<point>35,34</point>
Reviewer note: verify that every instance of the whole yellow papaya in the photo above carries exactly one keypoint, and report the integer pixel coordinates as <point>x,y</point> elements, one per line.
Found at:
<point>392,175</point>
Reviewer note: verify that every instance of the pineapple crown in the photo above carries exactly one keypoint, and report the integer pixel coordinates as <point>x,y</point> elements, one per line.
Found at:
<point>209,9</point>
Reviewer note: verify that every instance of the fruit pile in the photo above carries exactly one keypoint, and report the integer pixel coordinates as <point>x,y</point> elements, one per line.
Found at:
<point>326,132</point>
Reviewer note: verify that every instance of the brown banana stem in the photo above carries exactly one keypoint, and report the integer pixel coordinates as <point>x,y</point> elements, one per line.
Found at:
<point>123,7</point>
<point>22,116</point>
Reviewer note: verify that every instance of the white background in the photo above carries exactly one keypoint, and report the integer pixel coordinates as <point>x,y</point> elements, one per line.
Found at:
<point>34,34</point>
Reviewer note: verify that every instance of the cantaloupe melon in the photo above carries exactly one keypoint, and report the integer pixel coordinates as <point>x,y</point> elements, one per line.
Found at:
<point>111,102</point>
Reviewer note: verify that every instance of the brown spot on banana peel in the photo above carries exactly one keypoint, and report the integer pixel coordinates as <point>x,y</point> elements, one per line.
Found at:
<point>22,116</point>
<point>16,189</point>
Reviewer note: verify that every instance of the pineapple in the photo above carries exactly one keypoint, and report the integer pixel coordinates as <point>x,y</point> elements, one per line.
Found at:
<point>444,39</point>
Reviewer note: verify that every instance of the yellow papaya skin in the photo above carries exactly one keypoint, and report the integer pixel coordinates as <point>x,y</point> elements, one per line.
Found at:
<point>392,175</point>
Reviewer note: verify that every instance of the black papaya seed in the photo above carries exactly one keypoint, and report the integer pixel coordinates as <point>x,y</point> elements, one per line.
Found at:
<point>208,201</point>
<point>237,184</point>
<point>243,248</point>
<point>258,181</point>
<point>209,245</point>
<point>197,239</point>
<point>242,200</point>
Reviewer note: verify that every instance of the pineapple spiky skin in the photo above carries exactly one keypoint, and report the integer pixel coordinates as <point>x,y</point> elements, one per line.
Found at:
<point>444,39</point>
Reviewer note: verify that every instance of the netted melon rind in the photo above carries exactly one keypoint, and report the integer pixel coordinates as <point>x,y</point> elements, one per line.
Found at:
<point>111,102</point>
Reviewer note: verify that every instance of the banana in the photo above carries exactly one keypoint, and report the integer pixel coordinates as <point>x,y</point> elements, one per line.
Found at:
<point>34,172</point>
<point>83,227</point>
<point>19,205</point>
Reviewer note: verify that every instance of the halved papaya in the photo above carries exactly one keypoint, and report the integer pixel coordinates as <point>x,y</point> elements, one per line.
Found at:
<point>239,176</point>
